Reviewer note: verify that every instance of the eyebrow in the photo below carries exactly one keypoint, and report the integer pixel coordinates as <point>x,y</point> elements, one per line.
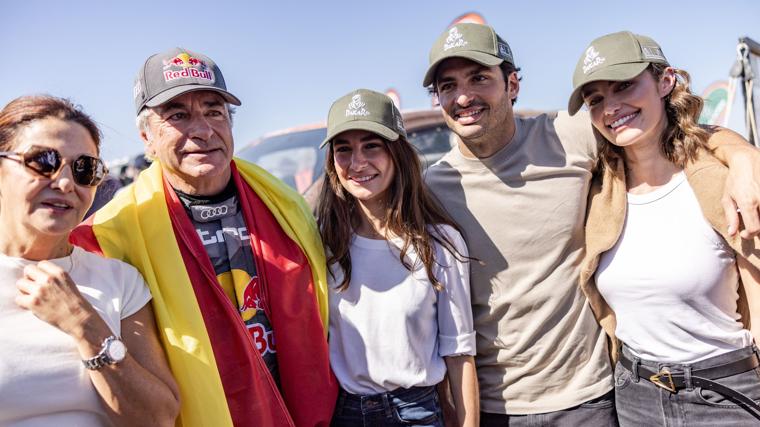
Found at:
<point>171,106</point>
<point>369,137</point>
<point>477,69</point>
<point>214,103</point>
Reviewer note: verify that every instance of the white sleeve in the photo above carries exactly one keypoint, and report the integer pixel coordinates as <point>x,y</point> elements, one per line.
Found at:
<point>456,334</point>
<point>135,292</point>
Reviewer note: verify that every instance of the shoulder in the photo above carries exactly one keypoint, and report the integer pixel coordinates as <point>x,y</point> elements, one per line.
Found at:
<point>265,178</point>
<point>450,235</point>
<point>275,193</point>
<point>446,168</point>
<point>444,163</point>
<point>575,131</point>
<point>112,268</point>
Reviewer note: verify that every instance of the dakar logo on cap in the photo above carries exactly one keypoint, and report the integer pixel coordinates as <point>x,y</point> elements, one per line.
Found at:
<point>504,51</point>
<point>400,123</point>
<point>356,107</point>
<point>190,68</point>
<point>455,39</point>
<point>592,59</point>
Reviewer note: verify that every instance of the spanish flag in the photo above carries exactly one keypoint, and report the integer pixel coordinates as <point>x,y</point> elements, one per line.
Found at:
<point>223,380</point>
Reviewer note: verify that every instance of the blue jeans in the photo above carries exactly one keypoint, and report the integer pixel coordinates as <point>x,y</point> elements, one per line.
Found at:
<point>416,406</point>
<point>599,412</point>
<point>641,403</point>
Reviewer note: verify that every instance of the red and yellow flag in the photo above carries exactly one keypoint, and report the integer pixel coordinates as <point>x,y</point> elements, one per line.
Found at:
<point>223,380</point>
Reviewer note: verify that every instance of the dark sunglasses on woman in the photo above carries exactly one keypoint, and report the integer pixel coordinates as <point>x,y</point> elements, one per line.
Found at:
<point>45,161</point>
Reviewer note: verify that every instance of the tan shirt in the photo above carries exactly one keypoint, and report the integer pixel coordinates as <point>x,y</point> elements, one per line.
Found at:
<point>606,216</point>
<point>522,213</point>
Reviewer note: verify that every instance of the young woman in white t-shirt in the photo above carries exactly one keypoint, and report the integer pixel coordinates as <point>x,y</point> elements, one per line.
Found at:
<point>668,273</point>
<point>400,315</point>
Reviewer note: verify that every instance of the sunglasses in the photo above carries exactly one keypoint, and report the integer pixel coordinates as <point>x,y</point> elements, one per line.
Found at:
<point>87,170</point>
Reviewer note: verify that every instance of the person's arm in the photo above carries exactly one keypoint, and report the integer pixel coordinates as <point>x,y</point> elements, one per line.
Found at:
<point>139,388</point>
<point>447,402</point>
<point>464,389</point>
<point>751,281</point>
<point>742,193</point>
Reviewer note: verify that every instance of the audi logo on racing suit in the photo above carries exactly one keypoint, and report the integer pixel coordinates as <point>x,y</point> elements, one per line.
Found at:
<point>208,213</point>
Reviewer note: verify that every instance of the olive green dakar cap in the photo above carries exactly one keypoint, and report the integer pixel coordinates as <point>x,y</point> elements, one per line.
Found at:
<point>475,42</point>
<point>615,57</point>
<point>368,110</point>
<point>169,74</point>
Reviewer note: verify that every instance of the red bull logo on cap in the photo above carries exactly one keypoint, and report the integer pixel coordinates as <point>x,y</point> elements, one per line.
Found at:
<point>190,67</point>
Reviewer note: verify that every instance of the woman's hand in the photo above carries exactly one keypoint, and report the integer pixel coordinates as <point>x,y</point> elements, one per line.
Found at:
<point>49,293</point>
<point>141,386</point>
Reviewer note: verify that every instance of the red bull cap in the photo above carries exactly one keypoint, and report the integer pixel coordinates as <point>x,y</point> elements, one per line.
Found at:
<point>177,71</point>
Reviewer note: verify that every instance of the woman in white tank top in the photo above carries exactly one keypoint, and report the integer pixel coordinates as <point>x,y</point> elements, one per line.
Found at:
<point>400,315</point>
<point>669,278</point>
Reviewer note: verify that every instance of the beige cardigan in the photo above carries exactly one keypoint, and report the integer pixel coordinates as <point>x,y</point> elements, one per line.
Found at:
<point>606,216</point>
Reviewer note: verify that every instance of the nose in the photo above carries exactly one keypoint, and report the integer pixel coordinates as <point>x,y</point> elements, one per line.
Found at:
<point>464,99</point>
<point>358,160</point>
<point>200,128</point>
<point>65,179</point>
<point>611,105</point>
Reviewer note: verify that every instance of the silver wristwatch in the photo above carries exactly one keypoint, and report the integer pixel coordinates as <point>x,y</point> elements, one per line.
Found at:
<point>112,352</point>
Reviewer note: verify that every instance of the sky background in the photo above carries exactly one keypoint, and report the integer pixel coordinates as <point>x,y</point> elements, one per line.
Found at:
<point>287,60</point>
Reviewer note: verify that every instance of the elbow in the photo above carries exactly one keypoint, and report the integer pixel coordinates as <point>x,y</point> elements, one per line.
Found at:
<point>173,414</point>
<point>169,412</point>
<point>162,412</point>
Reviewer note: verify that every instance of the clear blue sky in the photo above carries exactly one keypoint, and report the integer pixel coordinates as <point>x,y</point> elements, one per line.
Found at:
<point>288,60</point>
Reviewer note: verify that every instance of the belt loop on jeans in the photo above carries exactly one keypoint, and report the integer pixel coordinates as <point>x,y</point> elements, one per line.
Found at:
<point>635,369</point>
<point>687,378</point>
<point>387,407</point>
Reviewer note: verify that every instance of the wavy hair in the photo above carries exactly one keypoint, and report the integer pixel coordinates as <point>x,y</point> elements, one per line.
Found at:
<point>683,137</point>
<point>412,213</point>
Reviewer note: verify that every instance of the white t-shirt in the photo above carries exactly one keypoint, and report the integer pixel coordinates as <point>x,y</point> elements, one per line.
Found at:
<point>390,328</point>
<point>42,380</point>
<point>671,280</point>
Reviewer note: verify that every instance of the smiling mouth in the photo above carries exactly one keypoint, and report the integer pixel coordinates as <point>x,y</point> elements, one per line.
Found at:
<point>58,206</point>
<point>622,121</point>
<point>469,115</point>
<point>362,179</point>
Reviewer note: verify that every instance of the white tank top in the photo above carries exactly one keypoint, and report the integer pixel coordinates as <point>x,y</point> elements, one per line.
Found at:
<point>672,280</point>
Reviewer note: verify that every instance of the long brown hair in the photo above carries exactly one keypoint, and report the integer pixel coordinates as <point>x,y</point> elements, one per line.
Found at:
<point>411,210</point>
<point>683,138</point>
<point>26,109</point>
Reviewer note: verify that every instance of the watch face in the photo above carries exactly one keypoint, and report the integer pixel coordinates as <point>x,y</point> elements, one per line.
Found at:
<point>116,351</point>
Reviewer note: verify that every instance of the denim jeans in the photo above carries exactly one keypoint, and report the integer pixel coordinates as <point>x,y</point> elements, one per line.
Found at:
<point>641,403</point>
<point>416,406</point>
<point>599,412</point>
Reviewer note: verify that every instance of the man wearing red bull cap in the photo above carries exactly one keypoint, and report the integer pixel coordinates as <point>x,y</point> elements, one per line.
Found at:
<point>232,256</point>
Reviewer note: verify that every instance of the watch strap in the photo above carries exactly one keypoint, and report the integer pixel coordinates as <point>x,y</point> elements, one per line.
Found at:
<point>101,359</point>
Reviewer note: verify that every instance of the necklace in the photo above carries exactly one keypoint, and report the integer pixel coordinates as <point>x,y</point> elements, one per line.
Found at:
<point>71,261</point>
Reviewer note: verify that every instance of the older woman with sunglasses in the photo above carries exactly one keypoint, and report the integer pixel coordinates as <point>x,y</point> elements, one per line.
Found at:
<point>79,346</point>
